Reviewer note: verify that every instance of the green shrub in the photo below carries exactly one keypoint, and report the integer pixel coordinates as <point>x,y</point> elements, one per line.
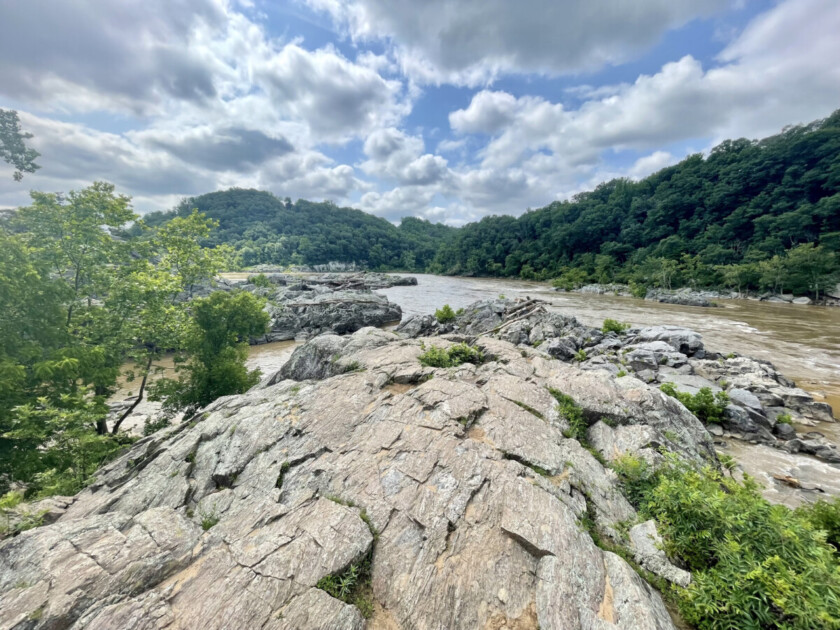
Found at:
<point>613,325</point>
<point>569,409</point>
<point>708,407</point>
<point>638,478</point>
<point>638,290</point>
<point>451,356</point>
<point>260,280</point>
<point>754,565</point>
<point>581,356</point>
<point>209,519</point>
<point>824,515</point>
<point>352,586</point>
<point>785,418</point>
<point>445,314</point>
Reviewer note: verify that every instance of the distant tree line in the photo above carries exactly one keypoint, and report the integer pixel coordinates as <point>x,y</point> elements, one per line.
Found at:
<point>268,230</point>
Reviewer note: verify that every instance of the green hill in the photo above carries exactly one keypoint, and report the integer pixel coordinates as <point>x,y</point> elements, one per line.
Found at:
<point>705,221</point>
<point>266,229</point>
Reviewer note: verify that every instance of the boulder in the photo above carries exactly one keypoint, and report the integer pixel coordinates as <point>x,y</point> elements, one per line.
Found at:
<point>683,297</point>
<point>680,339</point>
<point>305,314</point>
<point>784,431</point>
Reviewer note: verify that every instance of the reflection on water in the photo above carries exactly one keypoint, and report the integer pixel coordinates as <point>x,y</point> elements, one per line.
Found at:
<point>802,341</point>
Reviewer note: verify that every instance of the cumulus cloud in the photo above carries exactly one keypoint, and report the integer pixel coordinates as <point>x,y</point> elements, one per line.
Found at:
<point>198,96</point>
<point>748,94</point>
<point>212,98</point>
<point>652,163</point>
<point>336,97</point>
<point>80,53</point>
<point>471,42</point>
<point>394,155</point>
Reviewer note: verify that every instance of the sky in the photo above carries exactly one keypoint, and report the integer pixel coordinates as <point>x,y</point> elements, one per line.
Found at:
<point>449,110</point>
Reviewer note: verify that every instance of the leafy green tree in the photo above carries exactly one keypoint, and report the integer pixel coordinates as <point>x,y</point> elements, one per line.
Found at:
<point>811,269</point>
<point>217,347</point>
<point>74,236</point>
<point>182,252</point>
<point>738,276</point>
<point>774,274</point>
<point>13,149</point>
<point>58,449</point>
<point>76,301</point>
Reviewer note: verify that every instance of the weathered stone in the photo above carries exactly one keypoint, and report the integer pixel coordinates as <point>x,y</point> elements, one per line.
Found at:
<point>745,399</point>
<point>647,546</point>
<point>784,431</point>
<point>680,339</point>
<point>305,314</point>
<point>456,474</point>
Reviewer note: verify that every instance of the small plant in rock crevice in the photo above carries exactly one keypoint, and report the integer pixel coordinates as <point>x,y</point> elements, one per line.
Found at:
<point>571,411</point>
<point>445,314</point>
<point>209,519</point>
<point>452,356</point>
<point>613,325</point>
<point>708,407</point>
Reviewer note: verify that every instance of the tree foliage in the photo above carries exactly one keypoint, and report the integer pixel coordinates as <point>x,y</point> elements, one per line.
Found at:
<point>13,149</point>
<point>761,215</point>
<point>265,229</point>
<point>217,346</point>
<point>77,300</point>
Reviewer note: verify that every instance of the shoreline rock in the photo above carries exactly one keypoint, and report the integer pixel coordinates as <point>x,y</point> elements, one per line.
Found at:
<point>759,393</point>
<point>302,307</point>
<point>689,297</point>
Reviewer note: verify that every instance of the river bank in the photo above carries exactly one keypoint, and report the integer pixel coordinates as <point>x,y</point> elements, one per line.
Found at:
<point>803,343</point>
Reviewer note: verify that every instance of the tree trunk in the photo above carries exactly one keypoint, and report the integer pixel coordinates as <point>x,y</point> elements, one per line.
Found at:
<point>128,411</point>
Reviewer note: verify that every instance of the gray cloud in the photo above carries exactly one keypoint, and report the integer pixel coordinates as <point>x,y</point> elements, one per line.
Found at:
<point>220,149</point>
<point>134,53</point>
<point>472,41</point>
<point>336,97</point>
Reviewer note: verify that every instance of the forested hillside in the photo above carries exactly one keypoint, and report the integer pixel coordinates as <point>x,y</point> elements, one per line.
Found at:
<point>753,214</point>
<point>266,229</point>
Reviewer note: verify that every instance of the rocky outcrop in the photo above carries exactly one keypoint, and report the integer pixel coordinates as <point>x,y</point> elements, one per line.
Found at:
<point>457,485</point>
<point>684,297</point>
<point>302,307</point>
<point>306,313</point>
<point>758,393</point>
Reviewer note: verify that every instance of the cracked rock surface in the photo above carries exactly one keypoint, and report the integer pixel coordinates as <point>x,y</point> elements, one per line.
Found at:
<point>458,483</point>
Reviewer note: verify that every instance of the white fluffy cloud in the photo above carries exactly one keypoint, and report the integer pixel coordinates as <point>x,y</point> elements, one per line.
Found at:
<point>752,92</point>
<point>473,41</point>
<point>393,155</point>
<point>212,99</point>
